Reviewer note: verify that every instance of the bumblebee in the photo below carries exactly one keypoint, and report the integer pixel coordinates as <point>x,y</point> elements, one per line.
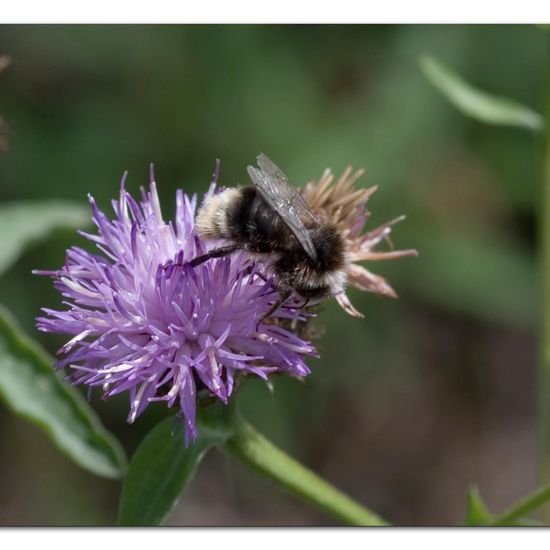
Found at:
<point>271,220</point>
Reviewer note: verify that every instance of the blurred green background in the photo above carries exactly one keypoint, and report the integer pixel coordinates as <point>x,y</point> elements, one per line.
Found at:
<point>407,407</point>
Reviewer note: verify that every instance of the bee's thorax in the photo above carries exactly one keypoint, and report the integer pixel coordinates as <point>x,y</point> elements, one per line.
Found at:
<point>241,216</point>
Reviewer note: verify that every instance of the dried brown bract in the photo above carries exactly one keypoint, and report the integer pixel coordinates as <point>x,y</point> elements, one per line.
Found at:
<point>342,204</point>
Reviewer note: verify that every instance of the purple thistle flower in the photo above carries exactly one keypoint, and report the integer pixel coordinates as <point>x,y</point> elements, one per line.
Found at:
<point>145,322</point>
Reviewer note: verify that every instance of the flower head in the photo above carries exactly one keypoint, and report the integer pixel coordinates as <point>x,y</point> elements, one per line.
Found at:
<point>143,321</point>
<point>343,205</point>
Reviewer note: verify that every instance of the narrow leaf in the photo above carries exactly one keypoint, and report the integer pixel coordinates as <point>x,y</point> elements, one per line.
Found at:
<point>23,223</point>
<point>162,467</point>
<point>516,515</point>
<point>458,272</point>
<point>30,388</point>
<point>477,513</point>
<point>478,104</point>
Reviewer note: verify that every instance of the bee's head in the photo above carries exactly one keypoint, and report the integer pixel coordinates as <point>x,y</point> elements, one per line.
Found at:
<point>317,279</point>
<point>329,246</point>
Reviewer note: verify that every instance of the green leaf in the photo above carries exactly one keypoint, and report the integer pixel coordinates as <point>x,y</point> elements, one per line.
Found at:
<point>23,223</point>
<point>516,515</point>
<point>162,466</point>
<point>477,513</point>
<point>489,278</point>
<point>30,388</point>
<point>478,104</point>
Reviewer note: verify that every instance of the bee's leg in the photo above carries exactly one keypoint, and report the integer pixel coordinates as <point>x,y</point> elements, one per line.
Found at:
<point>261,276</point>
<point>294,322</point>
<point>303,305</point>
<point>215,253</point>
<point>283,297</point>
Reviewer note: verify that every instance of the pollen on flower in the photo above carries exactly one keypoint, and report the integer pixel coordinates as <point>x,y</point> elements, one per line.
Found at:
<point>345,206</point>
<point>143,321</point>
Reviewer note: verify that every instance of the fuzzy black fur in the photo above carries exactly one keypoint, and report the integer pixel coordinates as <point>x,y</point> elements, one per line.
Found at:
<point>253,225</point>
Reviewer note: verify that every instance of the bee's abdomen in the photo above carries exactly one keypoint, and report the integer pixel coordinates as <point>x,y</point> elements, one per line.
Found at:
<point>211,221</point>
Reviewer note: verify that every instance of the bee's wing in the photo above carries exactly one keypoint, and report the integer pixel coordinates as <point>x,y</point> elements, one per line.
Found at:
<point>285,199</point>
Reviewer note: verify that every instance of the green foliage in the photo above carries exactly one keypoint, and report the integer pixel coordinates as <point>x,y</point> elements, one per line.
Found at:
<point>476,511</point>
<point>478,104</point>
<point>31,389</point>
<point>518,513</point>
<point>486,277</point>
<point>26,222</point>
<point>162,467</point>
<point>310,97</point>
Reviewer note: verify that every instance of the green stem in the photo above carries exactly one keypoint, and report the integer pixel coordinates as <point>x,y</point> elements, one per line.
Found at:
<point>524,507</point>
<point>544,365</point>
<point>255,451</point>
